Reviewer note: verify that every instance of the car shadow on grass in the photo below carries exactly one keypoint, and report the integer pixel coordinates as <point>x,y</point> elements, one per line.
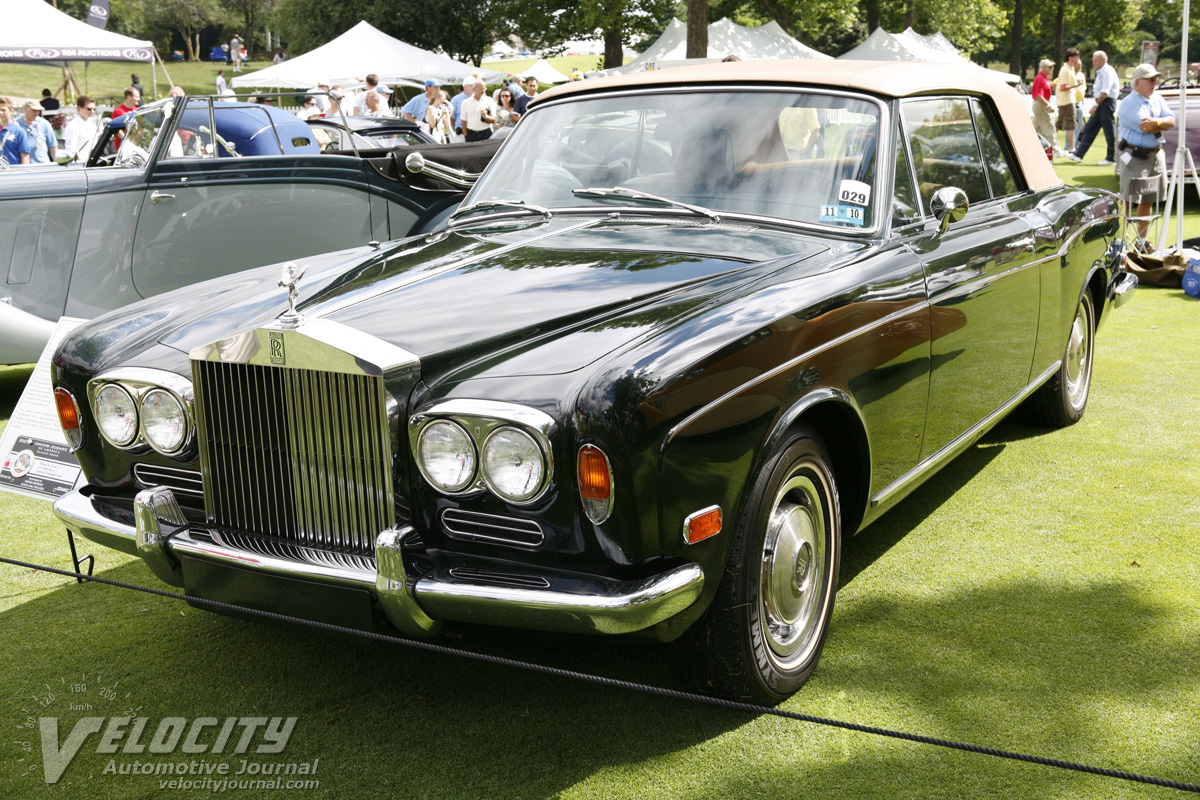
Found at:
<point>385,720</point>
<point>983,666</point>
<point>12,383</point>
<point>866,547</point>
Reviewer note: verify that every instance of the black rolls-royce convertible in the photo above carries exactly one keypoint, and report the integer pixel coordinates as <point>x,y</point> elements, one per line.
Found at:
<point>689,331</point>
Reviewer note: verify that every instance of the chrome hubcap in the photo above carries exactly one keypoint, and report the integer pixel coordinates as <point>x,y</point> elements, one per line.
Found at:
<point>794,570</point>
<point>1079,356</point>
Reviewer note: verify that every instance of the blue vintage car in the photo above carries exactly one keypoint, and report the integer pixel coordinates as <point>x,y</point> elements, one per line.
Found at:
<point>180,191</point>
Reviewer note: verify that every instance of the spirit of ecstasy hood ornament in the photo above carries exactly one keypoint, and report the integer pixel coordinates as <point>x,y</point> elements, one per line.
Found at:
<point>291,281</point>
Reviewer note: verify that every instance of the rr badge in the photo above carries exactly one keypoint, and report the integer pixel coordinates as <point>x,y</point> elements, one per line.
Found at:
<point>275,340</point>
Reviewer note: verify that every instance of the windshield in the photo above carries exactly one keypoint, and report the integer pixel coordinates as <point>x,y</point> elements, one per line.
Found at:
<point>140,133</point>
<point>804,157</point>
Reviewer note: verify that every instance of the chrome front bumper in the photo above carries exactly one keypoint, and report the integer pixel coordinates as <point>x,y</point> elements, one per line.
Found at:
<point>160,535</point>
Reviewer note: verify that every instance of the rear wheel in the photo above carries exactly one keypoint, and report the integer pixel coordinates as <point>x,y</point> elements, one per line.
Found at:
<point>763,634</point>
<point>1062,400</point>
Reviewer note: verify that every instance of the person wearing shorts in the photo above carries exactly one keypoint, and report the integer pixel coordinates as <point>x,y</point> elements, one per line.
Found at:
<point>1064,95</point>
<point>1143,116</point>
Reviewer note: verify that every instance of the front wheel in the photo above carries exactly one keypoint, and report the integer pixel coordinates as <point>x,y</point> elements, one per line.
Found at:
<point>760,639</point>
<point>1062,400</point>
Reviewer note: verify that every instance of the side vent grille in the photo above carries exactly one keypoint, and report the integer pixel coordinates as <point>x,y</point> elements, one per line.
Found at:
<point>477,527</point>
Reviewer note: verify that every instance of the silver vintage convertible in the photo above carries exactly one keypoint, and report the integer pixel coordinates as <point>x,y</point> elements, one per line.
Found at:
<point>198,188</point>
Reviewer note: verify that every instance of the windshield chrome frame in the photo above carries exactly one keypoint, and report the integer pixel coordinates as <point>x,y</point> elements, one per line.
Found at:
<point>882,171</point>
<point>168,105</point>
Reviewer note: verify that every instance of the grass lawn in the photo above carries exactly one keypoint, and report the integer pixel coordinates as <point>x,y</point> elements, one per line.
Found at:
<point>106,80</point>
<point>1039,594</point>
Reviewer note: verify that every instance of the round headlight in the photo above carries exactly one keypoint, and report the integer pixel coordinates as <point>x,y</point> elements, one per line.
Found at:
<point>164,422</point>
<point>116,414</point>
<point>513,464</point>
<point>447,456</point>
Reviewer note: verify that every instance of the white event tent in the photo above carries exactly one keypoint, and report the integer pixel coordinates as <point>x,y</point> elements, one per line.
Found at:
<point>544,73</point>
<point>912,46</point>
<point>359,51</point>
<point>33,31</point>
<point>724,38</point>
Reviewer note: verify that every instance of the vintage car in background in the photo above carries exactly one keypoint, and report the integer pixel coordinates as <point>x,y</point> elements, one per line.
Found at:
<point>1170,138</point>
<point>198,189</point>
<point>690,330</point>
<point>335,133</point>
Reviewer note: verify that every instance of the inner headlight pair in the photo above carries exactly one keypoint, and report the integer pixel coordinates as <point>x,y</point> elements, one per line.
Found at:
<point>134,410</point>
<point>509,461</point>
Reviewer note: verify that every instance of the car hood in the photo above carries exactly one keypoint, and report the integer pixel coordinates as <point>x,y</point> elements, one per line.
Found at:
<point>456,295</point>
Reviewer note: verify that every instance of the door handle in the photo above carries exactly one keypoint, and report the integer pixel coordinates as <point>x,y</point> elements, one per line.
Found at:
<point>156,195</point>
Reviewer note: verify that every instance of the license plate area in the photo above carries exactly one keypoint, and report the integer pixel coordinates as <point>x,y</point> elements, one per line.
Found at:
<point>335,605</point>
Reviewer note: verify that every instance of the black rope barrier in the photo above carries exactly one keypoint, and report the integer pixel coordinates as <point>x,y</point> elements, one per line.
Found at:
<point>718,702</point>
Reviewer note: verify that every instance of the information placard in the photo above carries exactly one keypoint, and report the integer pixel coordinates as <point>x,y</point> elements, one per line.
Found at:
<point>36,459</point>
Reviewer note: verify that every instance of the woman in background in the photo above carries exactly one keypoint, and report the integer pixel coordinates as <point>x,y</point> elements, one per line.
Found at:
<point>440,117</point>
<point>506,114</point>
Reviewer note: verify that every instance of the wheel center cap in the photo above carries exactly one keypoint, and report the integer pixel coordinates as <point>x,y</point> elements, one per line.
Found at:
<point>803,568</point>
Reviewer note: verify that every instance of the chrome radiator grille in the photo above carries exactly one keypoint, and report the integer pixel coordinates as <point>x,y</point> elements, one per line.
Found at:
<point>296,454</point>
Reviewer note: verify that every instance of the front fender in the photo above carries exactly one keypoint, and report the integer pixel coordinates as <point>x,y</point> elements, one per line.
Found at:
<point>23,336</point>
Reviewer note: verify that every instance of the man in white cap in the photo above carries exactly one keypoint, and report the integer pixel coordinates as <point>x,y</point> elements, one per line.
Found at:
<point>478,114</point>
<point>385,94</point>
<point>1143,116</point>
<point>43,143</point>
<point>468,89</point>
<point>414,110</point>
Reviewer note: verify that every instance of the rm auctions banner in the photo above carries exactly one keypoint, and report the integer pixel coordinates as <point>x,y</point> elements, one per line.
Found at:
<point>75,54</point>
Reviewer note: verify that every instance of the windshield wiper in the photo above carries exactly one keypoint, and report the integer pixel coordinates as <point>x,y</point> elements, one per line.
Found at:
<point>621,193</point>
<point>484,205</point>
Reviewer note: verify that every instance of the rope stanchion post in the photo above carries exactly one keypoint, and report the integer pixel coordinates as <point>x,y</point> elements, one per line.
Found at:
<point>617,683</point>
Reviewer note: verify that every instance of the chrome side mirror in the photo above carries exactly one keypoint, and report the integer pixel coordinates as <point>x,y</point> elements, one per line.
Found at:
<point>948,204</point>
<point>64,158</point>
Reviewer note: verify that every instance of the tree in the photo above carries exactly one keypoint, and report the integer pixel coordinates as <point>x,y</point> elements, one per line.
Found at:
<point>829,25</point>
<point>185,17</point>
<point>697,29</point>
<point>254,16</point>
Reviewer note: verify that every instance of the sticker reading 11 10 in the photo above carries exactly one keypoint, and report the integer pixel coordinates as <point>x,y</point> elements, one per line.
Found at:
<point>850,214</point>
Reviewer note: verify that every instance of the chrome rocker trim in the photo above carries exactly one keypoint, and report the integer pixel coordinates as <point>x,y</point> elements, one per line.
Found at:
<point>159,535</point>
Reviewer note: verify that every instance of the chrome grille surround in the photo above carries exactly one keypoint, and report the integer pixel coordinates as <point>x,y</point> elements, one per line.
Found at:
<point>298,430</point>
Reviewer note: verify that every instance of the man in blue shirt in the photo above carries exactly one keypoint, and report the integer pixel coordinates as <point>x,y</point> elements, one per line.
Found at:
<point>456,102</point>
<point>1143,116</point>
<point>43,142</point>
<point>14,144</point>
<point>414,110</point>
<point>1104,91</point>
<point>531,91</point>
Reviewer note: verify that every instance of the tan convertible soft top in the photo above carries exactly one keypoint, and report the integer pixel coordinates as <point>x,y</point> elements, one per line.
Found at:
<point>887,78</point>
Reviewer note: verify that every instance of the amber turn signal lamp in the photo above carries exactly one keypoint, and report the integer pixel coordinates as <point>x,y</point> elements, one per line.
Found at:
<point>702,525</point>
<point>595,482</point>
<point>68,417</point>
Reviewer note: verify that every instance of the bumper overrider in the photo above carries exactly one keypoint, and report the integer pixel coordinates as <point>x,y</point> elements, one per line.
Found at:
<point>159,533</point>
